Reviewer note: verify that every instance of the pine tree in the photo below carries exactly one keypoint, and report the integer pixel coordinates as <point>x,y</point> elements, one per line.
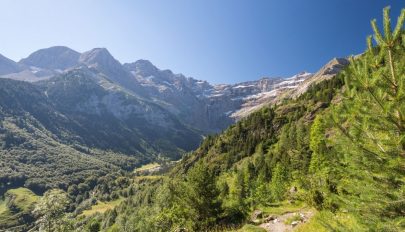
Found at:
<point>375,87</point>
<point>278,184</point>
<point>51,209</point>
<point>203,194</point>
<point>240,193</point>
<point>365,133</point>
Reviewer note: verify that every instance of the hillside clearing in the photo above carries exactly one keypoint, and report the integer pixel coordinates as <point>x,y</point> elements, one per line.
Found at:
<point>101,207</point>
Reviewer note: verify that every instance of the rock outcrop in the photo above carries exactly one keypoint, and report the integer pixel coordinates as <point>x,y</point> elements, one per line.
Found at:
<point>196,103</point>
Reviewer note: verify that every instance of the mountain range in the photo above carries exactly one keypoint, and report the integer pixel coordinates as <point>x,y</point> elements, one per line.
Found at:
<point>203,106</point>
<point>90,144</point>
<point>59,105</point>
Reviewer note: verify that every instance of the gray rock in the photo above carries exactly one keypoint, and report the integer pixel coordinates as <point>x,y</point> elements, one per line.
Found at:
<point>196,103</point>
<point>256,215</point>
<point>294,223</point>
<point>269,218</point>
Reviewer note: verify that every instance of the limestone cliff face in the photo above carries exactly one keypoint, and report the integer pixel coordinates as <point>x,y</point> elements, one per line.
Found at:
<point>210,108</point>
<point>328,71</point>
<point>269,92</point>
<point>291,87</point>
<point>195,103</point>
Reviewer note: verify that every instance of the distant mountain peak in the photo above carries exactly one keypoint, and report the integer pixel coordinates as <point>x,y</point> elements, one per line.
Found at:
<point>99,51</point>
<point>57,57</point>
<point>340,60</point>
<point>99,56</point>
<point>142,67</point>
<point>143,62</point>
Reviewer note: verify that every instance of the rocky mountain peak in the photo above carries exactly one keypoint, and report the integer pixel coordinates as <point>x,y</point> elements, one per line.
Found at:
<point>102,62</point>
<point>144,64</point>
<point>328,71</point>
<point>197,103</point>
<point>99,57</point>
<point>334,66</point>
<point>142,67</point>
<point>57,57</point>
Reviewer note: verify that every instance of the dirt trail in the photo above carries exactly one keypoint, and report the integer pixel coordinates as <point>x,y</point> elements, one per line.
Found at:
<point>277,225</point>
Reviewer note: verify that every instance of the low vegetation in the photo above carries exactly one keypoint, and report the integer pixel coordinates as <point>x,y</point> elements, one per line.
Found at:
<point>101,207</point>
<point>16,206</point>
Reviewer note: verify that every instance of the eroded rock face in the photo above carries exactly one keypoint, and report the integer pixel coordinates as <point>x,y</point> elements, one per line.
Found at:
<point>270,91</point>
<point>195,103</point>
<point>291,87</point>
<point>210,108</point>
<point>325,73</point>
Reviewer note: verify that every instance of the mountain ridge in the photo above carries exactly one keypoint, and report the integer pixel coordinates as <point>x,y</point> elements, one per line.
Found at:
<point>197,103</point>
<point>57,57</point>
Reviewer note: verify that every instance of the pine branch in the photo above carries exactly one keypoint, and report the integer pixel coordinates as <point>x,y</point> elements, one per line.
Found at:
<point>389,80</point>
<point>391,63</point>
<point>387,25</point>
<point>377,34</point>
<point>400,23</point>
<point>370,44</point>
<point>376,99</point>
<point>355,143</point>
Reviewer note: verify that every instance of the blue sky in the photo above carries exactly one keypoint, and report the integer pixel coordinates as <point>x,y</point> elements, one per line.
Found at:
<point>222,41</point>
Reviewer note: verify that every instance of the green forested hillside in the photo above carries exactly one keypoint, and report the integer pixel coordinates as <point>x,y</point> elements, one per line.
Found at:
<point>71,133</point>
<point>332,159</point>
<point>33,153</point>
<point>50,138</point>
<point>335,154</point>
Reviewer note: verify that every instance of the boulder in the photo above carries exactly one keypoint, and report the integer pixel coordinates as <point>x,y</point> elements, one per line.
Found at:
<point>256,215</point>
<point>294,223</point>
<point>269,218</point>
<point>293,189</point>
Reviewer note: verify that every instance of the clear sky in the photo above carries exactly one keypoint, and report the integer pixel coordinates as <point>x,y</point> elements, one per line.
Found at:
<point>222,41</point>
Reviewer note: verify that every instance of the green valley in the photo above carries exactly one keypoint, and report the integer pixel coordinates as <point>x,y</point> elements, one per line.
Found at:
<point>101,146</point>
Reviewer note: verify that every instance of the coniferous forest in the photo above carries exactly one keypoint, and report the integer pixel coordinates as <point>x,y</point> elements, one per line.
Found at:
<point>330,159</point>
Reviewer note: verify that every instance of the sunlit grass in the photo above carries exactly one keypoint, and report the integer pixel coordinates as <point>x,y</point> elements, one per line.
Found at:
<point>325,221</point>
<point>146,167</point>
<point>152,177</point>
<point>24,198</point>
<point>22,201</point>
<point>101,207</point>
<point>283,207</point>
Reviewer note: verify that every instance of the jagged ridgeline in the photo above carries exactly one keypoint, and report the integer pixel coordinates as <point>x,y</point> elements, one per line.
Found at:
<point>335,155</point>
<point>330,157</point>
<point>47,127</point>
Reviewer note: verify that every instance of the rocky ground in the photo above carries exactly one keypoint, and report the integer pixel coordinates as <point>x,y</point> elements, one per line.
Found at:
<point>286,222</point>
